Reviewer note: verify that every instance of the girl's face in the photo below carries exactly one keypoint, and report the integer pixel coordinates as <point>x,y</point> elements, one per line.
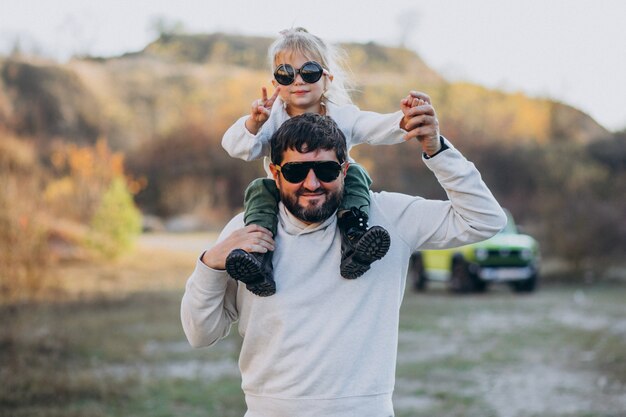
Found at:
<point>300,96</point>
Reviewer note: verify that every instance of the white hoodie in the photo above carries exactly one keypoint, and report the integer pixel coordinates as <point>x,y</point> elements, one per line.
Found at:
<point>324,345</point>
<point>358,126</point>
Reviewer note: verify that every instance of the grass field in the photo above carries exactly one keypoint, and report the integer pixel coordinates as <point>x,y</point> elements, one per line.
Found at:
<point>114,347</point>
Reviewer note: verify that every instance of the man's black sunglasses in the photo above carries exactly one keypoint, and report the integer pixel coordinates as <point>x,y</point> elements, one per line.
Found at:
<point>310,72</point>
<point>325,171</point>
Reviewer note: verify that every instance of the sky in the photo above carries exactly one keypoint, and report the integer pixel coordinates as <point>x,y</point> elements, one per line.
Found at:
<point>573,51</point>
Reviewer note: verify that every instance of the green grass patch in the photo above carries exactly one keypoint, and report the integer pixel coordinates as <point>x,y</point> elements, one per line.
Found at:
<point>114,356</point>
<point>190,398</point>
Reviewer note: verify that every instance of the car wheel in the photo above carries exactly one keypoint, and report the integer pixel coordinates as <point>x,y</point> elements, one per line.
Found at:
<point>527,285</point>
<point>418,275</point>
<point>478,284</point>
<point>461,280</point>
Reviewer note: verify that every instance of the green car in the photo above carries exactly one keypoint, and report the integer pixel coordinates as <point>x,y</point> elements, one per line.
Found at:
<point>508,257</point>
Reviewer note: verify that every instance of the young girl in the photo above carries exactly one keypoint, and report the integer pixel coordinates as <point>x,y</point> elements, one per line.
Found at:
<point>308,78</point>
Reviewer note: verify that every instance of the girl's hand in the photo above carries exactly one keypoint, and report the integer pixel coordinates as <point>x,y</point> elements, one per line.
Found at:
<point>414,99</point>
<point>420,121</point>
<point>406,105</point>
<point>260,111</point>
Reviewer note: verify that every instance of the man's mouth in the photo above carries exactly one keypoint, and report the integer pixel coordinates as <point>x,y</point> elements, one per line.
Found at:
<point>312,194</point>
<point>319,191</point>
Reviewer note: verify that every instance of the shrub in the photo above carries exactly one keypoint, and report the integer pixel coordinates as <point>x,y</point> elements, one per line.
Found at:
<point>116,222</point>
<point>23,238</point>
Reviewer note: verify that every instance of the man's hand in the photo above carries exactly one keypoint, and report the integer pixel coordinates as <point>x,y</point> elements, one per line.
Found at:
<point>260,111</point>
<point>251,238</point>
<point>420,121</point>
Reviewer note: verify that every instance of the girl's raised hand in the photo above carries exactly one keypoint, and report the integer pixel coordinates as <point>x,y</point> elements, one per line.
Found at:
<point>406,104</point>
<point>420,121</point>
<point>414,99</point>
<point>260,111</point>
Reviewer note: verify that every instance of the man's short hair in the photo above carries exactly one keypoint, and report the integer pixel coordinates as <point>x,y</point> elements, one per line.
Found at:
<point>307,133</point>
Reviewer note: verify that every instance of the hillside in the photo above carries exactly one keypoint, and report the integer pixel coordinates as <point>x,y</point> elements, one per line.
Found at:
<point>158,116</point>
<point>211,79</point>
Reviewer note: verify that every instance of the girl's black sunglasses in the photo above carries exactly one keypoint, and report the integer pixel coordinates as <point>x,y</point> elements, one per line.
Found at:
<point>310,72</point>
<point>325,171</point>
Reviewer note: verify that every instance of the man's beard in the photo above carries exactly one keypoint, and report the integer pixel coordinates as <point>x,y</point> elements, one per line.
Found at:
<point>312,214</point>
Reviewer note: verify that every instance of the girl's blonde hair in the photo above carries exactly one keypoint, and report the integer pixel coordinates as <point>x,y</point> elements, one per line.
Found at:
<point>299,40</point>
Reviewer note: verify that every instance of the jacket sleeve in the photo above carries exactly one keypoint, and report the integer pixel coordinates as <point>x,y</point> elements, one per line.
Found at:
<point>470,214</point>
<point>240,143</point>
<point>376,128</point>
<point>209,304</point>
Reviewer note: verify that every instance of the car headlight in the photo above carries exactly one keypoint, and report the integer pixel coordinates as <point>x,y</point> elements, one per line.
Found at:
<point>526,254</point>
<point>481,254</point>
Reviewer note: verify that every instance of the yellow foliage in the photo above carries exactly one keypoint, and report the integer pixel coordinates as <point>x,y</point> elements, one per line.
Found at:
<point>82,176</point>
<point>116,222</point>
<point>235,91</point>
<point>15,154</point>
<point>135,185</point>
<point>485,113</point>
<point>59,190</point>
<point>24,256</point>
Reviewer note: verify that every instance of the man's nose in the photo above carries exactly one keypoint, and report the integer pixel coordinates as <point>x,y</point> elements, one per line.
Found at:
<point>311,182</point>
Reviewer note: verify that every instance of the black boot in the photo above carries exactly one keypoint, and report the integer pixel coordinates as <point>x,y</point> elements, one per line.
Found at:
<point>253,269</point>
<point>360,246</point>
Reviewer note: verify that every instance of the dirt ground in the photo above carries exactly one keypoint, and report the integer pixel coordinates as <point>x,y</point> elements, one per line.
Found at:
<point>114,347</point>
<point>558,352</point>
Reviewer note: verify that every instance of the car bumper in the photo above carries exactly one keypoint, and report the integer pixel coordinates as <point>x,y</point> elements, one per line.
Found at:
<point>502,274</point>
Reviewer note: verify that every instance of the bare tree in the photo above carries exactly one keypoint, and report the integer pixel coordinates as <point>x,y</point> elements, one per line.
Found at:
<point>162,26</point>
<point>407,20</point>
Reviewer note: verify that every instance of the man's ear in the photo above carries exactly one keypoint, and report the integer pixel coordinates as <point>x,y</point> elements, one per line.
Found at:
<point>274,83</point>
<point>345,168</point>
<point>275,174</point>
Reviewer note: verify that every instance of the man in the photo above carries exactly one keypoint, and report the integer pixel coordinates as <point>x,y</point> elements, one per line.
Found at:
<point>324,345</point>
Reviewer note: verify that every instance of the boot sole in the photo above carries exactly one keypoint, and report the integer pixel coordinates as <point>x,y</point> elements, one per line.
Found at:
<point>372,246</point>
<point>262,289</point>
<point>242,266</point>
<point>246,268</point>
